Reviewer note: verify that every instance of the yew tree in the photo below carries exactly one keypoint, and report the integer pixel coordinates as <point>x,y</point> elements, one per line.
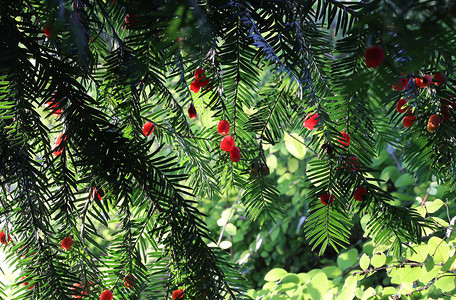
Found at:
<point>129,112</point>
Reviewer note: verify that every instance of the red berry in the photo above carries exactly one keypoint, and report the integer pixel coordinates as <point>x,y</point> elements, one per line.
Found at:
<point>264,171</point>
<point>178,294</point>
<point>311,121</point>
<point>326,199</point>
<point>198,73</point>
<point>148,128</point>
<point>67,243</point>
<point>434,123</point>
<point>360,194</point>
<point>439,78</point>
<point>56,111</point>
<point>130,18</point>
<point>235,154</point>
<point>354,161</point>
<point>426,80</point>
<point>195,86</point>
<point>47,30</point>
<point>192,111</point>
<point>3,238</point>
<point>95,193</point>
<point>419,82</point>
<point>408,121</point>
<point>223,127</point>
<point>24,284</point>
<point>345,141</point>
<point>106,295</point>
<point>58,141</point>
<point>129,281</point>
<point>79,286</point>
<point>447,106</point>
<point>374,56</point>
<point>400,84</point>
<point>227,143</point>
<point>400,107</point>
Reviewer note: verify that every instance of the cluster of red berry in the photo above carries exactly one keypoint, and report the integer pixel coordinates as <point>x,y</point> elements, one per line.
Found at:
<point>360,194</point>
<point>227,143</point>
<point>421,82</point>
<point>200,81</point>
<point>310,123</point>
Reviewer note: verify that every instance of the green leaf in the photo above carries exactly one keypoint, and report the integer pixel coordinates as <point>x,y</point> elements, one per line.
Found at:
<point>347,259</point>
<point>428,275</point>
<point>295,145</point>
<point>332,271</point>
<point>404,180</point>
<point>409,274</point>
<point>420,255</point>
<point>368,293</point>
<point>446,283</point>
<point>434,206</point>
<point>271,161</point>
<point>318,286</point>
<point>438,248</point>
<point>293,165</point>
<point>293,278</point>
<point>364,261</point>
<point>231,229</point>
<point>378,260</point>
<point>275,274</point>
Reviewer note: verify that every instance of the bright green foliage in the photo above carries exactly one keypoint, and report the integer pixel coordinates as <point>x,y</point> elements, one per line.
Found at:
<point>425,271</point>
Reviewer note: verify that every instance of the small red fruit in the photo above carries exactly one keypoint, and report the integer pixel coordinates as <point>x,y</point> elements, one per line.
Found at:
<point>264,171</point>
<point>408,121</point>
<point>227,143</point>
<point>130,18</point>
<point>58,141</point>
<point>345,141</point>
<point>192,111</point>
<point>311,121</point>
<point>106,295</point>
<point>95,193</point>
<point>426,80</point>
<point>56,111</point>
<point>235,154</point>
<point>79,286</point>
<point>148,128</point>
<point>434,123</point>
<point>47,30</point>
<point>195,86</point>
<point>354,161</point>
<point>360,194</point>
<point>400,107</point>
<point>3,238</point>
<point>439,78</point>
<point>24,284</point>
<point>374,56</point>
<point>447,106</point>
<point>199,73</point>
<point>67,243</point>
<point>400,84</point>
<point>129,281</point>
<point>223,127</point>
<point>178,294</point>
<point>326,199</point>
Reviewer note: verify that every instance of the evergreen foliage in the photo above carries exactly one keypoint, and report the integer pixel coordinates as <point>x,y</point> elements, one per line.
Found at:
<point>95,71</point>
